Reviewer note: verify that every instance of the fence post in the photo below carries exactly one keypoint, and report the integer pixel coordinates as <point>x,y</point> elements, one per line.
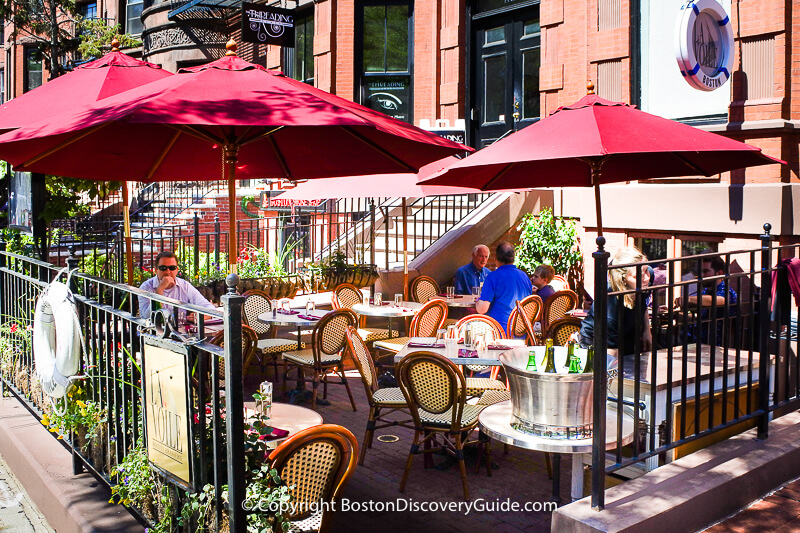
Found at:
<point>764,332</point>
<point>234,404</point>
<point>72,264</point>
<point>600,344</point>
<point>216,239</point>
<point>2,282</point>
<point>196,244</point>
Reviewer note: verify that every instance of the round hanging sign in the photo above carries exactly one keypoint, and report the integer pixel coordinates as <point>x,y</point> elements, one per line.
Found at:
<point>704,44</point>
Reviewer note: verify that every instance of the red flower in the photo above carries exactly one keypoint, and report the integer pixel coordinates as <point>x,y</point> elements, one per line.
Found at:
<point>13,328</point>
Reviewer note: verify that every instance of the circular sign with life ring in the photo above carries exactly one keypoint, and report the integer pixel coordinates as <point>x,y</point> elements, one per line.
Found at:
<point>704,44</point>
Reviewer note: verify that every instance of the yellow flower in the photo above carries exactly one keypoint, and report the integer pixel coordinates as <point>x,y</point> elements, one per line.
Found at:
<point>45,421</point>
<point>52,430</point>
<point>60,437</point>
<point>80,403</point>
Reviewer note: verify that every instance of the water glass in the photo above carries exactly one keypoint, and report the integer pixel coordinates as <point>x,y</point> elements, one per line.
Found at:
<point>264,405</point>
<point>441,335</point>
<point>451,340</point>
<point>451,291</point>
<point>285,304</point>
<point>468,337</point>
<point>476,291</point>
<point>398,300</point>
<point>481,342</point>
<point>489,338</point>
<point>274,305</point>
<point>310,307</point>
<point>378,299</point>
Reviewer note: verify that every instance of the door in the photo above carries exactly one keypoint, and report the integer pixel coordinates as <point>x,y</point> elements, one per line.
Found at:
<point>506,74</point>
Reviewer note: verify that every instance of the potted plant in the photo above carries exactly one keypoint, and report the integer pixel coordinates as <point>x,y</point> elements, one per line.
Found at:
<point>551,240</point>
<point>334,270</point>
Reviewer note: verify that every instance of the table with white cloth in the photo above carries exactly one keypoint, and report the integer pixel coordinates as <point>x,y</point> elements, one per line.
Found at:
<point>298,319</point>
<point>491,357</point>
<point>464,300</point>
<point>388,310</point>
<point>292,418</point>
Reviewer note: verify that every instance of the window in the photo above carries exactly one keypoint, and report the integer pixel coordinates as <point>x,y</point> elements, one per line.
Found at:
<point>299,61</point>
<point>695,248</point>
<point>652,248</point>
<point>384,33</point>
<point>87,10</point>
<point>134,17</point>
<point>33,69</point>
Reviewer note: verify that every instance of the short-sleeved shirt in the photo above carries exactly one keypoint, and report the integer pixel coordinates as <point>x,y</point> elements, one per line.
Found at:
<point>546,292</point>
<point>183,291</point>
<point>468,276</point>
<point>502,289</point>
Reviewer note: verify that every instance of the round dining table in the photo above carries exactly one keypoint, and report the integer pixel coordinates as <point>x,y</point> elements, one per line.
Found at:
<point>294,319</point>
<point>461,300</point>
<point>289,417</point>
<point>388,310</point>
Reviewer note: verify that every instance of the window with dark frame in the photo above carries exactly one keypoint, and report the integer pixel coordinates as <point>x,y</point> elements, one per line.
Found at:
<point>87,10</point>
<point>298,62</point>
<point>133,15</point>
<point>33,69</point>
<point>384,37</point>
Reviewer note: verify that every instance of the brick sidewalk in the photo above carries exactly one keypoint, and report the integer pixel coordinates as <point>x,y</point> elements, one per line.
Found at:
<point>520,476</point>
<point>779,513</point>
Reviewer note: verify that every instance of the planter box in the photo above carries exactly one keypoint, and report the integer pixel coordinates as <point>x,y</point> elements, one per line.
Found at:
<point>276,287</point>
<point>327,279</point>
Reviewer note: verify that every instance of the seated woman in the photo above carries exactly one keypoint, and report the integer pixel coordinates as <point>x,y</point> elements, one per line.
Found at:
<point>622,279</point>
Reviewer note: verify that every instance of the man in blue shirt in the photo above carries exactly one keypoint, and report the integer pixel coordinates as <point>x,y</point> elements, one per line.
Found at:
<point>474,273</point>
<point>503,287</point>
<point>167,283</point>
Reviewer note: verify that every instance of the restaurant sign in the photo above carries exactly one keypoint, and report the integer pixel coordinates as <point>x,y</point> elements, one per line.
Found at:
<point>267,25</point>
<point>268,201</point>
<point>166,401</point>
<point>704,44</point>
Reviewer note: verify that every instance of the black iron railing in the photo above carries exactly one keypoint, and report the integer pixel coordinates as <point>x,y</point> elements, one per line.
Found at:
<point>717,333</point>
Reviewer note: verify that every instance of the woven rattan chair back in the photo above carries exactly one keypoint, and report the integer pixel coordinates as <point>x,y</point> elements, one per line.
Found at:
<point>423,288</point>
<point>557,306</point>
<point>431,382</point>
<point>562,329</point>
<point>559,283</point>
<point>363,360</point>
<point>531,309</point>
<point>429,319</point>
<point>519,316</point>
<point>256,303</point>
<point>249,344</point>
<point>315,463</point>
<point>481,323</point>
<point>346,296</point>
<point>330,334</point>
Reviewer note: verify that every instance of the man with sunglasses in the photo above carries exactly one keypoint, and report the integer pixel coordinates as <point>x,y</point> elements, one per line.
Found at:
<point>167,283</point>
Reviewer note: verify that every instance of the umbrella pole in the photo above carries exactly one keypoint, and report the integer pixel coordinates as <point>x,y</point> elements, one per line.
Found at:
<point>229,158</point>
<point>405,251</point>
<point>126,217</point>
<point>595,165</point>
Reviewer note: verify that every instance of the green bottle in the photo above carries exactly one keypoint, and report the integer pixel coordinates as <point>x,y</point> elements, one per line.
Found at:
<point>589,366</point>
<point>531,361</point>
<point>548,343</point>
<point>573,360</point>
<point>550,360</point>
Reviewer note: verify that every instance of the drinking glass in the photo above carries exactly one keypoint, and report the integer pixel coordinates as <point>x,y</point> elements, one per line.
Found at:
<point>451,340</point>
<point>451,291</point>
<point>264,405</point>
<point>274,305</point>
<point>481,342</point>
<point>489,338</point>
<point>310,307</point>
<point>398,300</point>
<point>285,304</point>
<point>378,299</point>
<point>476,291</point>
<point>468,337</point>
<point>440,337</point>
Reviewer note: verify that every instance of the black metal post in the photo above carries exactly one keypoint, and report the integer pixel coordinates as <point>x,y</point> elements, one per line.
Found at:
<point>234,404</point>
<point>216,239</point>
<point>372,239</point>
<point>2,282</point>
<point>763,337</point>
<point>600,363</point>
<point>72,264</point>
<point>196,244</point>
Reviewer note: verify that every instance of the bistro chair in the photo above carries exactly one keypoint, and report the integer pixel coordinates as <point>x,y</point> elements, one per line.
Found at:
<point>562,330</point>
<point>345,296</point>
<point>557,306</point>
<point>389,398</point>
<point>249,342</point>
<point>328,340</point>
<point>559,283</point>
<point>257,303</point>
<point>425,323</point>
<point>315,464</point>
<point>480,324</point>
<point>532,312</point>
<point>436,392</point>
<point>423,288</point>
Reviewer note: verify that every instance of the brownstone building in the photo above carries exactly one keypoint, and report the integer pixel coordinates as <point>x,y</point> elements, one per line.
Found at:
<point>496,66</point>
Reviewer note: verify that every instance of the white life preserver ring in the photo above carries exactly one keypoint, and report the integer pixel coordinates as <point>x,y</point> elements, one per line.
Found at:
<point>56,339</point>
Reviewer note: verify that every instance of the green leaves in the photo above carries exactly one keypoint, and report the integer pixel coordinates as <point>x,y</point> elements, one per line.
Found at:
<point>96,36</point>
<point>546,239</point>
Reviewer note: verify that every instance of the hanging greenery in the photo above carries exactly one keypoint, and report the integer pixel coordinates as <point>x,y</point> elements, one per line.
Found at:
<point>547,239</point>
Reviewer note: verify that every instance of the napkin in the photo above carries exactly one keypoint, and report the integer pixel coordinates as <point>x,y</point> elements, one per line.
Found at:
<point>444,295</point>
<point>288,312</point>
<point>276,434</point>
<point>424,345</point>
<point>499,347</point>
<point>307,317</point>
<point>467,354</point>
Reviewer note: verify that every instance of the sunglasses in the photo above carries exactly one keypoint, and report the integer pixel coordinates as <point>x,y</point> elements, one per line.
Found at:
<point>164,268</point>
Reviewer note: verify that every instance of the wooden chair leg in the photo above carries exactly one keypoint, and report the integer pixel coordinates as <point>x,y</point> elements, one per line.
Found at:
<point>411,453</point>
<point>347,386</point>
<point>374,412</point>
<point>315,386</point>
<point>461,466</point>
<point>285,379</point>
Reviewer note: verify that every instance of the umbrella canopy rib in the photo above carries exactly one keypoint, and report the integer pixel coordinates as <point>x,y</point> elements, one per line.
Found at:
<point>194,131</point>
<point>279,157</point>
<point>499,175</point>
<point>162,156</point>
<point>378,148</point>
<point>690,164</point>
<point>259,135</point>
<point>57,148</point>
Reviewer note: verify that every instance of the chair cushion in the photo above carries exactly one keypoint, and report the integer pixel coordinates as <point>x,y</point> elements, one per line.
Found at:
<point>389,396</point>
<point>469,416</point>
<point>394,344</point>
<point>491,397</point>
<point>476,386</point>
<point>277,345</point>
<point>306,357</point>
<point>374,334</point>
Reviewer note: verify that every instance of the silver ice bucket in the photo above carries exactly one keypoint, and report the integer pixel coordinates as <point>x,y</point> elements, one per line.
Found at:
<point>556,406</point>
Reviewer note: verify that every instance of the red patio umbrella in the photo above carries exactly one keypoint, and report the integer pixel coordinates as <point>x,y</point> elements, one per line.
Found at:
<point>596,141</point>
<point>381,185</point>
<point>112,74</point>
<point>258,123</point>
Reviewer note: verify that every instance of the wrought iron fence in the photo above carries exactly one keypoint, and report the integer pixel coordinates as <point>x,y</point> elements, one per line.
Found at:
<point>721,357</point>
<point>109,386</point>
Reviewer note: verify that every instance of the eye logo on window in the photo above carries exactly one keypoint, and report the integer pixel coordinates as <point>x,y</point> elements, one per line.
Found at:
<point>386,101</point>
